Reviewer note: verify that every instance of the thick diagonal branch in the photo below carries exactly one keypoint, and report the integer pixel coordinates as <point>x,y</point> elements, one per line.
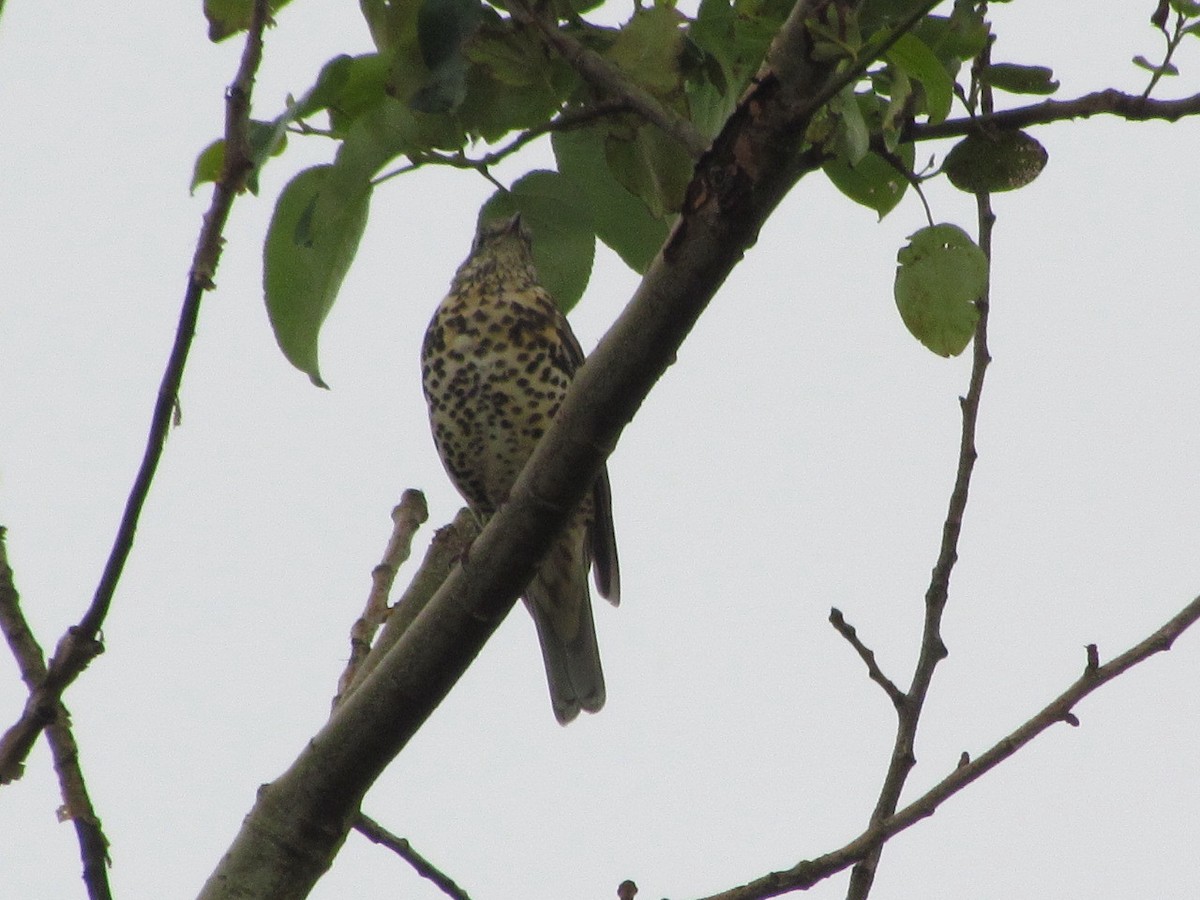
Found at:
<point>300,820</point>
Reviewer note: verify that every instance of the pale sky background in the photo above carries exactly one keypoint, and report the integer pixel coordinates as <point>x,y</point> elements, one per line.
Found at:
<point>798,456</point>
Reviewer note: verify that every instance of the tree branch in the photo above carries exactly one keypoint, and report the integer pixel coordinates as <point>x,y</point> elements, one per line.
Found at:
<point>80,645</point>
<point>933,649</point>
<point>373,831</point>
<point>867,655</point>
<point>807,873</point>
<point>609,80</point>
<point>1108,102</point>
<point>565,121</point>
<point>407,516</point>
<point>77,802</point>
<point>298,821</point>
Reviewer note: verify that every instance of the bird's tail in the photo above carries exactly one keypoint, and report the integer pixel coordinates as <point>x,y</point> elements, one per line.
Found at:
<point>561,606</point>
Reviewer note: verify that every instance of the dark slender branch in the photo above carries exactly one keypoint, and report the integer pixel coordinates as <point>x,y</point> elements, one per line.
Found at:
<point>77,802</point>
<point>77,806</point>
<point>565,121</point>
<point>372,830</point>
<point>79,646</point>
<point>609,80</point>
<point>807,873</point>
<point>933,650</point>
<point>1108,102</point>
<point>846,630</point>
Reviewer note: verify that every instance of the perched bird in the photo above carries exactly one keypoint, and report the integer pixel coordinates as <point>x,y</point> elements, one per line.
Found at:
<point>495,365</point>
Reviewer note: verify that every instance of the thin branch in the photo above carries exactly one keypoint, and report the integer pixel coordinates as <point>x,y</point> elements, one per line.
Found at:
<point>846,630</point>
<point>1108,102</point>
<point>933,649</point>
<point>565,121</point>
<point>80,645</point>
<point>1172,40</point>
<point>807,873</point>
<point>77,806</point>
<point>407,517</point>
<point>449,545</point>
<point>609,80</point>
<point>77,802</point>
<point>372,830</point>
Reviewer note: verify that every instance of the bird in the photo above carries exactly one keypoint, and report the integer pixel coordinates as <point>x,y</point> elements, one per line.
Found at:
<point>496,361</point>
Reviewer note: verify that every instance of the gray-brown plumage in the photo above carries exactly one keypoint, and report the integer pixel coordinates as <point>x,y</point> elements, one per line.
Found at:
<point>495,365</point>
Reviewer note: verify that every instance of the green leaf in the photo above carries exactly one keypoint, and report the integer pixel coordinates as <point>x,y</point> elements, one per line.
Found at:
<point>346,87</point>
<point>852,139</point>
<point>266,139</point>
<point>651,166</point>
<point>941,274</point>
<point>913,57</point>
<point>648,47</point>
<point>1164,68</point>
<point>330,83</point>
<point>209,164</point>
<point>873,182</point>
<point>737,34</point>
<point>512,57</point>
<point>709,106</point>
<point>228,17</point>
<point>1188,8</point>
<point>443,26</point>
<point>512,84</point>
<point>621,220</point>
<point>1021,79</point>
<point>564,241</point>
<point>311,241</point>
<point>1001,162</point>
<point>956,38</point>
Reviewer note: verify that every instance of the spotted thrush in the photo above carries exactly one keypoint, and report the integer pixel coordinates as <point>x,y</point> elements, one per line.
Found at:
<point>495,365</point>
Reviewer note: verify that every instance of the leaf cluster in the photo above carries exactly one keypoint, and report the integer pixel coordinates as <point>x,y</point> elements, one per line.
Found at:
<point>468,83</point>
<point>450,76</point>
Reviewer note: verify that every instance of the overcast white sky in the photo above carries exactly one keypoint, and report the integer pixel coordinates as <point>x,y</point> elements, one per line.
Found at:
<point>798,456</point>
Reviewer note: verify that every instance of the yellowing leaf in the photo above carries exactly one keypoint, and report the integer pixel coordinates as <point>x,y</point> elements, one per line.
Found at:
<point>941,274</point>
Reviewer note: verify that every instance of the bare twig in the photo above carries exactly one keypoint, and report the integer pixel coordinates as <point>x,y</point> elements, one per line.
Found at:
<point>609,80</point>
<point>846,630</point>
<point>448,546</point>
<point>408,516</point>
<point>933,650</point>
<point>371,829</point>
<point>807,873</point>
<point>77,803</point>
<point>79,646</point>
